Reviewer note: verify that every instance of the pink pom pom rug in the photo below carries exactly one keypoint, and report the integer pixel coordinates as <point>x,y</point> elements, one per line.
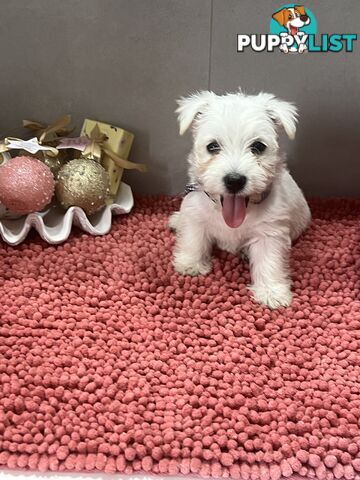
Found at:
<point>110,361</point>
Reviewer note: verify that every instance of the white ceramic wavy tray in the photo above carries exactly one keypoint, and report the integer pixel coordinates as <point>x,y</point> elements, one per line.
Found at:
<point>54,225</point>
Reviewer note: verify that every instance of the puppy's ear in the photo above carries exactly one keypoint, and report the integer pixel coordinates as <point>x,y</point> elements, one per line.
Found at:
<point>190,107</point>
<point>280,16</point>
<point>300,9</point>
<point>283,113</point>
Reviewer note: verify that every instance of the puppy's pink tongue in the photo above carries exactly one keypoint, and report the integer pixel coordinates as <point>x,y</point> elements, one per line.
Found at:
<point>234,210</point>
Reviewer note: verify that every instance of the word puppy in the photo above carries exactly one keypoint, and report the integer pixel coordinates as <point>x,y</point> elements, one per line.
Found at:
<point>241,195</point>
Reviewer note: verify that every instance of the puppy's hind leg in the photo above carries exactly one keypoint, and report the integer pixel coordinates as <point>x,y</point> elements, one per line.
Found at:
<point>244,254</point>
<point>173,221</point>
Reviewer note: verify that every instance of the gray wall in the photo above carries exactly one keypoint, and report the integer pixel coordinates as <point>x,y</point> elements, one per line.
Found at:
<point>125,62</point>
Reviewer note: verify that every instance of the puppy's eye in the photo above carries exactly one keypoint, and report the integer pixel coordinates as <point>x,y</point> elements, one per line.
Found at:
<point>213,147</point>
<point>257,148</point>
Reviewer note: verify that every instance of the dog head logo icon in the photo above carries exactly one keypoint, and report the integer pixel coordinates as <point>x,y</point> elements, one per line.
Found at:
<point>290,22</point>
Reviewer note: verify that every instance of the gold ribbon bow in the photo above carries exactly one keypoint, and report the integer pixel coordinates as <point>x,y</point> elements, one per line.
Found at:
<point>49,133</point>
<point>96,148</point>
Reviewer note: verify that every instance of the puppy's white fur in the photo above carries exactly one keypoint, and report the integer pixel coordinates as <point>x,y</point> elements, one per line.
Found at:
<point>235,121</point>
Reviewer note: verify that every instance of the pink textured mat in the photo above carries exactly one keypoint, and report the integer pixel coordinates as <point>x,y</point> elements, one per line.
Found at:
<point>110,361</point>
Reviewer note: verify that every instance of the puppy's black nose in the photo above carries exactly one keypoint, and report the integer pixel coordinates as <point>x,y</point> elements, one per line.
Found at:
<point>304,18</point>
<point>234,182</point>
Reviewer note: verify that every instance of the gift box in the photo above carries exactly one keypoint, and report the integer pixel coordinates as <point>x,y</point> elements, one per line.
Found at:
<point>119,142</point>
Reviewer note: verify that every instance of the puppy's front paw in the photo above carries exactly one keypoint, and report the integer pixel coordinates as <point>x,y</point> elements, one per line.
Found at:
<point>273,296</point>
<point>202,267</point>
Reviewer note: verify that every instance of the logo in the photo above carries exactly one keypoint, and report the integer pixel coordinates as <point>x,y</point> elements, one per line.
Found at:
<point>293,29</point>
<point>293,25</point>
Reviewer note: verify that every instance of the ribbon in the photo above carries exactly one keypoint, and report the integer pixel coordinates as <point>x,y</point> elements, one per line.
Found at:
<point>31,146</point>
<point>96,148</point>
<point>121,162</point>
<point>50,132</point>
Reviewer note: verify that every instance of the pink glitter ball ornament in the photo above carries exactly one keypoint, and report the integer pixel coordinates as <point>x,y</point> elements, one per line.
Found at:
<point>26,185</point>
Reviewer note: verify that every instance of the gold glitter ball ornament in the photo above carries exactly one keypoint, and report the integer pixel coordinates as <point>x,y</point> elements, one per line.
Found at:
<point>83,183</point>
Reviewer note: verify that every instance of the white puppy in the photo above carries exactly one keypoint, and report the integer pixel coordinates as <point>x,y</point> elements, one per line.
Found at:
<point>241,195</point>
